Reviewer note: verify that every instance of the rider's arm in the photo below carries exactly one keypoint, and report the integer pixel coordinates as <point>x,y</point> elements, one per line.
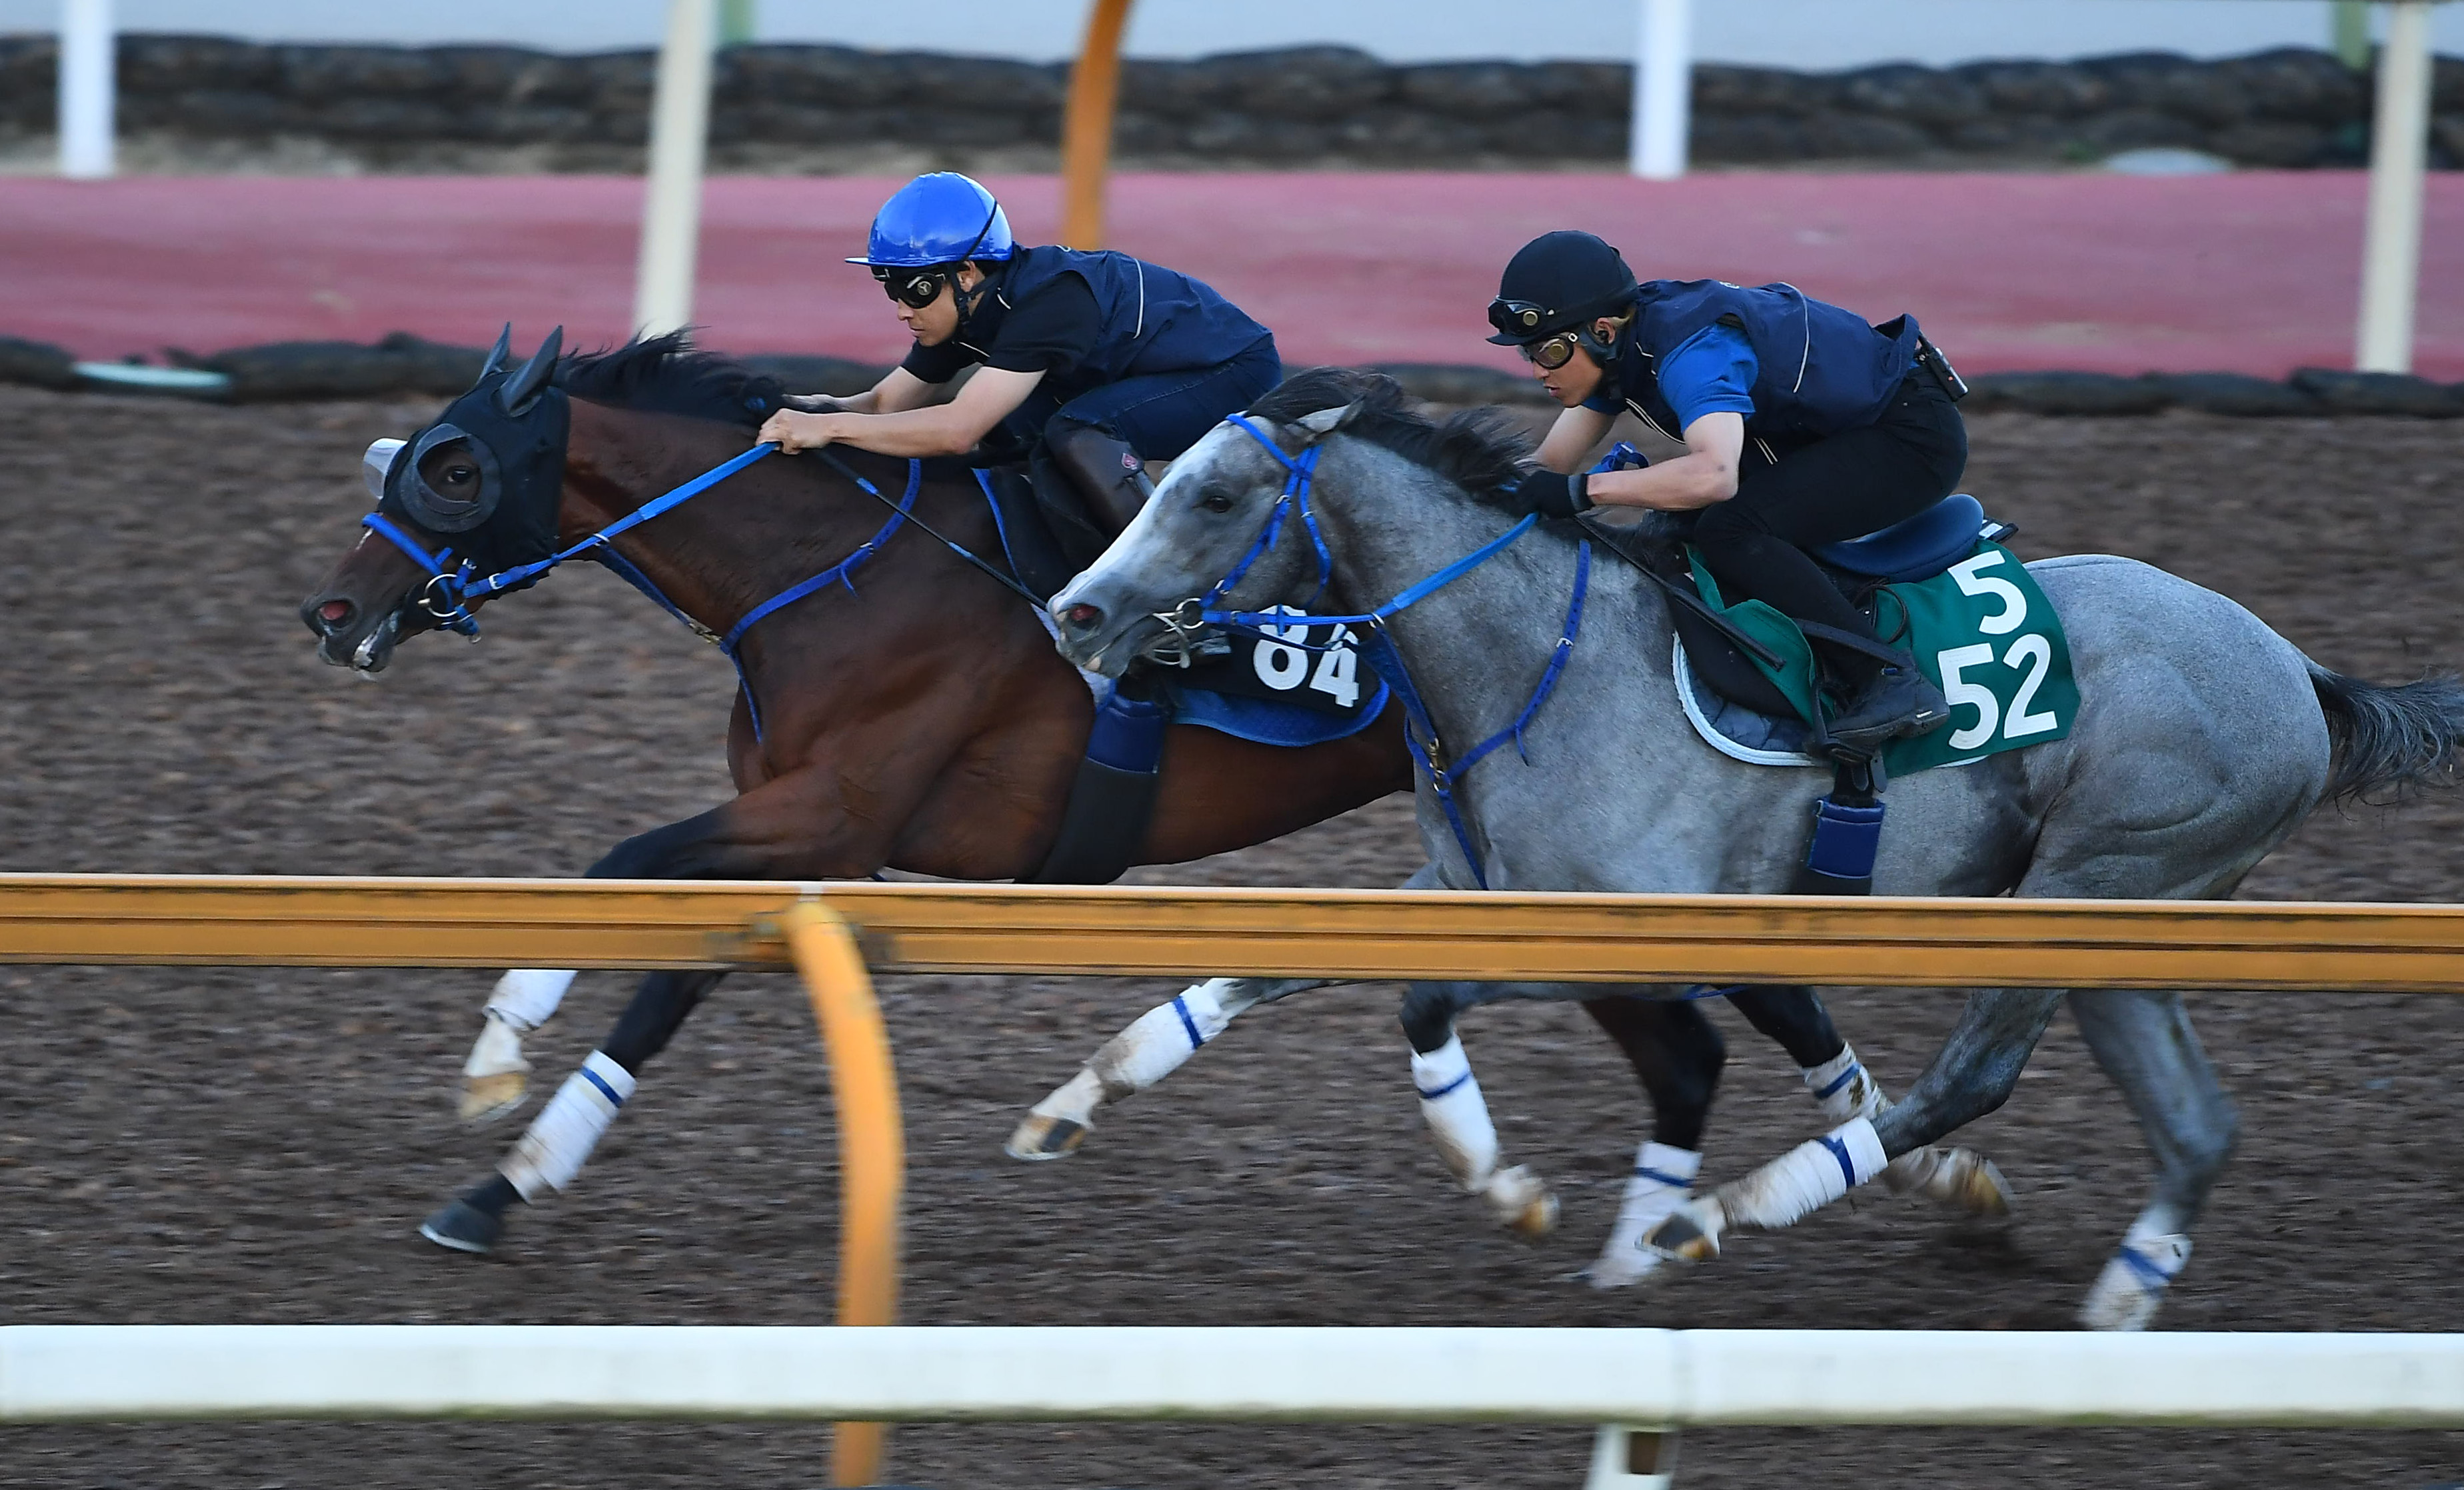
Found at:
<point>1705,474</point>
<point>899,390</point>
<point>950,429</point>
<point>1571,437</point>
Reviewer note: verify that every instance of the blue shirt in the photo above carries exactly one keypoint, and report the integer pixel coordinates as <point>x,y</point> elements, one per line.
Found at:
<point>1712,372</point>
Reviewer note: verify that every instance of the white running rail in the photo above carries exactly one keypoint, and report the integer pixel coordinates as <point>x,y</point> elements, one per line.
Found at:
<point>66,1372</point>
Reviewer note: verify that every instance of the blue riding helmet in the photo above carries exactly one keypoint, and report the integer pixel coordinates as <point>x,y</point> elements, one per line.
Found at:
<point>940,218</point>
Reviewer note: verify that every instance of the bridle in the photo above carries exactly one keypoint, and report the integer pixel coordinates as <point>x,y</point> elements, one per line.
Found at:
<point>1428,750</point>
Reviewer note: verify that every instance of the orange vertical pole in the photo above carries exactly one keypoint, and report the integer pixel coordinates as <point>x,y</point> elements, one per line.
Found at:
<point>1086,128</point>
<point>872,1146</point>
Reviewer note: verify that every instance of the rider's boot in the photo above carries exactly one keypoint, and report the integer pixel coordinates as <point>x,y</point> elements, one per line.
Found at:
<point>1103,468</point>
<point>1899,701</point>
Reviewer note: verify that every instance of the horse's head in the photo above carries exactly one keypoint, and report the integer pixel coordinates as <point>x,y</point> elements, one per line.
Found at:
<point>1232,526</point>
<point>480,486</point>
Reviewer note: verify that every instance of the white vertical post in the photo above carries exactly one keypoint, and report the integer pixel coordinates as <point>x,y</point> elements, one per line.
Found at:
<point>679,140</point>
<point>1664,85</point>
<point>1625,1457</point>
<point>2391,234</point>
<point>85,87</point>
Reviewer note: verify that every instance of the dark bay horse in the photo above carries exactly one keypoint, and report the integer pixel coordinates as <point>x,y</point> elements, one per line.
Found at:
<point>929,725</point>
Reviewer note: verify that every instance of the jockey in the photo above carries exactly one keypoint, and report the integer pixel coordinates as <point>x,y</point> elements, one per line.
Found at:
<point>1802,425</point>
<point>1106,360</point>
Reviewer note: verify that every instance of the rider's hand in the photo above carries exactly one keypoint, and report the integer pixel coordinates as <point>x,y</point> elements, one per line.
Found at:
<point>793,432</point>
<point>1552,494</point>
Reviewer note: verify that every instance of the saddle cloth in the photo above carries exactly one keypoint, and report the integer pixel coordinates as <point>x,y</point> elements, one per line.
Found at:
<point>1936,587</point>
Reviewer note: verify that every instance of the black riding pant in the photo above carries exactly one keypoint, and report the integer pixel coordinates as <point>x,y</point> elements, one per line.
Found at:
<point>1843,486</point>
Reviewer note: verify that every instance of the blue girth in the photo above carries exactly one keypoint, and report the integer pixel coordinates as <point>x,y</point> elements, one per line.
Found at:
<point>450,591</point>
<point>1421,732</point>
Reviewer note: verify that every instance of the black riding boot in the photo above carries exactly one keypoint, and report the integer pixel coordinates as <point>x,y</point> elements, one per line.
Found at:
<point>1105,470</point>
<point>1898,701</point>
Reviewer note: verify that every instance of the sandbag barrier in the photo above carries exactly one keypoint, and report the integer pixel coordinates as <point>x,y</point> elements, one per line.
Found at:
<point>448,107</point>
<point>404,365</point>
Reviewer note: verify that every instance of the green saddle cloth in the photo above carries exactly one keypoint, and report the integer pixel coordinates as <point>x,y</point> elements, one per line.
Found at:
<point>1981,630</point>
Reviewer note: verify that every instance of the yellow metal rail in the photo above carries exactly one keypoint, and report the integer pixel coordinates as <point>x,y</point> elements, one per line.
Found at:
<point>306,921</point>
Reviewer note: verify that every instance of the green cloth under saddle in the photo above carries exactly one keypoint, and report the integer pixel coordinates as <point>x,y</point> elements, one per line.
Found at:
<point>1981,630</point>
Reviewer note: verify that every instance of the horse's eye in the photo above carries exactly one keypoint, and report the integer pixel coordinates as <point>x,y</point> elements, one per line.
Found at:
<point>460,474</point>
<point>1216,502</point>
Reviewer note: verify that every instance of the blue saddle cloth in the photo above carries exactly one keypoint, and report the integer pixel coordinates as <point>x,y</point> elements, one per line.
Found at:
<point>1266,721</point>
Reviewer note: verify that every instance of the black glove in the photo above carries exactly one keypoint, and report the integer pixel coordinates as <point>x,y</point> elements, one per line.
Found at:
<point>1553,496</point>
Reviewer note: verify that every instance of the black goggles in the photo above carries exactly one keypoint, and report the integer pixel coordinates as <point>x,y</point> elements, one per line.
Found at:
<point>1519,319</point>
<point>1551,353</point>
<point>914,288</point>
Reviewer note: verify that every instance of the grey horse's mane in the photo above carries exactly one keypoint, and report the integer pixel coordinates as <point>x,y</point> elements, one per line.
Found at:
<point>1480,449</point>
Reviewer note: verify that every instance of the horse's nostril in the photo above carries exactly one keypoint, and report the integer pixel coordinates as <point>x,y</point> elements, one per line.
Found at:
<point>335,611</point>
<point>1082,615</point>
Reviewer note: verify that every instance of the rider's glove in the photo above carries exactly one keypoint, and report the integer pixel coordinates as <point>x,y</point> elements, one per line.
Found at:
<point>1553,496</point>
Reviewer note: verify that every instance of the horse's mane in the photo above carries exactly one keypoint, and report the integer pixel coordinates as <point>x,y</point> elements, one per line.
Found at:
<point>665,374</point>
<point>1480,449</point>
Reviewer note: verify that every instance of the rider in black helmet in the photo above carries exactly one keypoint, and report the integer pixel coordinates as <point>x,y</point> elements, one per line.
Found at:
<point>1802,425</point>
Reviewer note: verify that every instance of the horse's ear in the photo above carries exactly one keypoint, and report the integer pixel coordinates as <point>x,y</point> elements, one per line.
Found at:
<point>496,354</point>
<point>1326,421</point>
<point>520,391</point>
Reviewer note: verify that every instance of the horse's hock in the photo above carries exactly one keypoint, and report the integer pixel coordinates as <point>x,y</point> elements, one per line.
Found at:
<point>480,107</point>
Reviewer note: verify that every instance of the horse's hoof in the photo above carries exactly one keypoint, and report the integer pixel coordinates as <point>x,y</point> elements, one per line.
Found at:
<point>459,1225</point>
<point>2131,1288</point>
<point>1521,1203</point>
<point>1959,1179</point>
<point>1040,1138</point>
<point>1691,1235</point>
<point>1623,1267</point>
<point>488,1098</point>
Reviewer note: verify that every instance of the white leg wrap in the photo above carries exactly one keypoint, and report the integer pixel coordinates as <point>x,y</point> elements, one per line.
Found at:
<point>1843,1087</point>
<point>559,1141</point>
<point>1806,1178</point>
<point>1156,1043</point>
<point>1663,1177</point>
<point>2132,1286</point>
<point>526,997</point>
<point>1457,1115</point>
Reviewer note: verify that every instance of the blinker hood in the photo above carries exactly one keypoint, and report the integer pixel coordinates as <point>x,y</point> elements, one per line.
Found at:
<point>520,459</point>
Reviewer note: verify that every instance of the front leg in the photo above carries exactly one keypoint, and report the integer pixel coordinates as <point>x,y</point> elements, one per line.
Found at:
<point>1153,1046</point>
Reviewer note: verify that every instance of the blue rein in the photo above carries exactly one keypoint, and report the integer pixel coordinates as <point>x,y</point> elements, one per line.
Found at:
<point>450,591</point>
<point>1420,734</point>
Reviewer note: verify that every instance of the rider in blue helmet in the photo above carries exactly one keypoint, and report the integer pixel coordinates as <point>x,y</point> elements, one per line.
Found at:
<point>1802,425</point>
<point>1105,361</point>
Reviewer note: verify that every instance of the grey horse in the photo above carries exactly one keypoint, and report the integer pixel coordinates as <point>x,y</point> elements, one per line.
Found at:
<point>2203,738</point>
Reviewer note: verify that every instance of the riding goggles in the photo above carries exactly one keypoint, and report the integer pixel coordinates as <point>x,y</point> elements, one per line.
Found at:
<point>913,288</point>
<point>1519,319</point>
<point>1551,353</point>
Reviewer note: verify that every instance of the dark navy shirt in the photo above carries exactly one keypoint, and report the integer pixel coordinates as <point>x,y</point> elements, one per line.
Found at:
<point>1712,372</point>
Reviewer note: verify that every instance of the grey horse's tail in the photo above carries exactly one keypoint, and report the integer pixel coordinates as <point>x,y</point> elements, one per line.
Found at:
<point>2390,741</point>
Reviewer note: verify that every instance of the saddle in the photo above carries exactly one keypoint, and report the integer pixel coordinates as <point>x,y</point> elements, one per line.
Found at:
<point>1918,548</point>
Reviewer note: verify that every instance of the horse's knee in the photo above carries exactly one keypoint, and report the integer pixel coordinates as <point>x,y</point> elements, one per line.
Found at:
<point>1428,1017</point>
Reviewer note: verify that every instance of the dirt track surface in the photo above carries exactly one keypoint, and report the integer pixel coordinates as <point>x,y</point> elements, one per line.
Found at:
<point>196,1145</point>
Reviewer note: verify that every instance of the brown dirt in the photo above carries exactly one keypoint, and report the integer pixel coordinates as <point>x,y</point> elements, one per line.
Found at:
<point>185,1145</point>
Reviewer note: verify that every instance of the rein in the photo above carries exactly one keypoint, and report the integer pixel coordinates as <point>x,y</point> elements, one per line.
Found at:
<point>450,591</point>
<point>1420,736</point>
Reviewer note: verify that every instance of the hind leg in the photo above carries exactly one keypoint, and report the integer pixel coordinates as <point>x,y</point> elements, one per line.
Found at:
<point>2144,1042</point>
<point>1958,1179</point>
<point>1972,1075</point>
<point>495,1078</point>
<point>552,1151</point>
<point>1153,1046</point>
<point>1678,1054</point>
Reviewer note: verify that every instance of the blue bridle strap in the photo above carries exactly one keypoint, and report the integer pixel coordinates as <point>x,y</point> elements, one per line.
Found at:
<point>1379,648</point>
<point>458,588</point>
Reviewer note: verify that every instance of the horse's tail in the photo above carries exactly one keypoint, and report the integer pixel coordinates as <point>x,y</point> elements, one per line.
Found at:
<point>2388,743</point>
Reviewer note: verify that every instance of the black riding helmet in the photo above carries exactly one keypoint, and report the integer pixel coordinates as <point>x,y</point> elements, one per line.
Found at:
<point>1559,281</point>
